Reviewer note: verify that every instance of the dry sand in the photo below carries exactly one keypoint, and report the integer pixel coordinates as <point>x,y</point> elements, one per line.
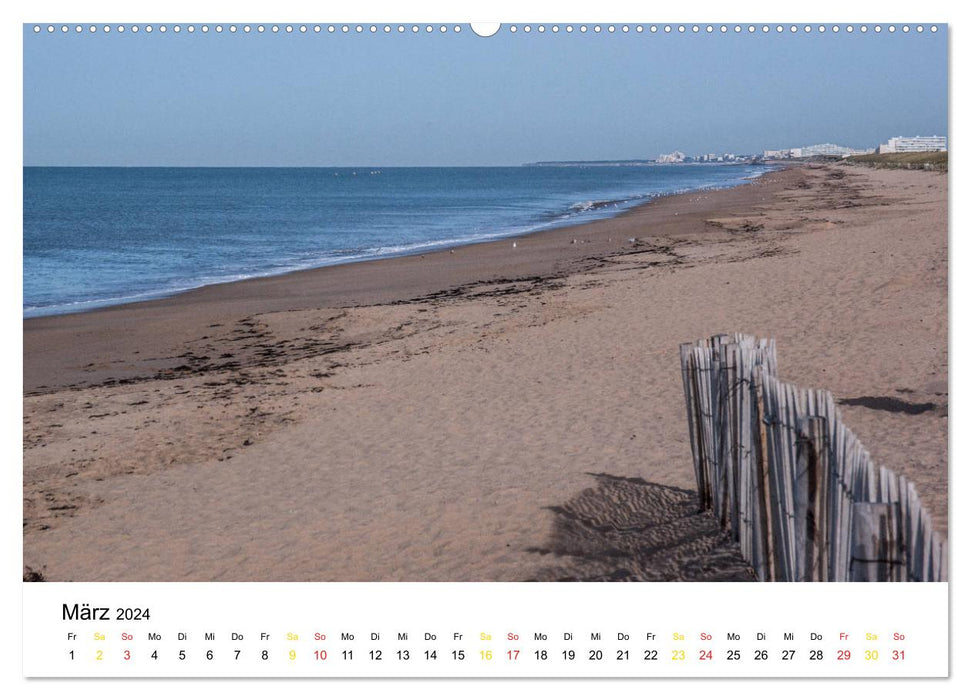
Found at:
<point>494,413</point>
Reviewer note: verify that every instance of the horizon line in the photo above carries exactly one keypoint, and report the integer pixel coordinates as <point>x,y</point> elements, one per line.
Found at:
<point>348,167</point>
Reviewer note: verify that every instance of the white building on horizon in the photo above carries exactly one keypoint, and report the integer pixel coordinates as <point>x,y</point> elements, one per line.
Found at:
<point>819,149</point>
<point>777,154</point>
<point>913,144</point>
<point>831,149</point>
<point>676,157</point>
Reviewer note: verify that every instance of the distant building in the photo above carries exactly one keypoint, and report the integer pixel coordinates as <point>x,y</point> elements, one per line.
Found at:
<point>820,149</point>
<point>831,149</point>
<point>676,157</point>
<point>782,153</point>
<point>913,144</point>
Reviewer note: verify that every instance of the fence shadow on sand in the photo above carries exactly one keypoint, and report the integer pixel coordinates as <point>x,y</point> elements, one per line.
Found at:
<point>628,529</point>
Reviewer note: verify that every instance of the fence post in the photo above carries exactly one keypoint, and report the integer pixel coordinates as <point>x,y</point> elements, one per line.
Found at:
<point>762,464</point>
<point>875,545</point>
<point>688,372</point>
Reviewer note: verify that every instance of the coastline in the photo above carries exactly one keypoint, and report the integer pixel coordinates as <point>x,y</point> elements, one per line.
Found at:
<point>94,334</point>
<point>495,413</point>
<point>456,235</point>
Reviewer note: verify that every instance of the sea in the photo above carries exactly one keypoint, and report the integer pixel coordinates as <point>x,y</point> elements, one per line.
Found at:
<point>96,237</point>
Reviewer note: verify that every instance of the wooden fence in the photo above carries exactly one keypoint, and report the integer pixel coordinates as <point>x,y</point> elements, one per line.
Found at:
<point>792,483</point>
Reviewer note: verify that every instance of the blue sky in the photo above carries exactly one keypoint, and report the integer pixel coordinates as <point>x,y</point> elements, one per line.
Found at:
<point>446,99</point>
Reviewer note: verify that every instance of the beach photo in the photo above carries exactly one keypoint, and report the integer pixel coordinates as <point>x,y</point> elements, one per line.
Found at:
<point>567,302</point>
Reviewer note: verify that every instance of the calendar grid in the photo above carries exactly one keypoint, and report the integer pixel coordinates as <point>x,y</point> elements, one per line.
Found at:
<point>456,630</point>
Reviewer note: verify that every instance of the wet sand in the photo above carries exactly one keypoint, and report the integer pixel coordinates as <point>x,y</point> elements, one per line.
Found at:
<point>492,413</point>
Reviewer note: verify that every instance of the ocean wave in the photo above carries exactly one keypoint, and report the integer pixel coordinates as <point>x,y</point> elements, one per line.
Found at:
<point>595,204</point>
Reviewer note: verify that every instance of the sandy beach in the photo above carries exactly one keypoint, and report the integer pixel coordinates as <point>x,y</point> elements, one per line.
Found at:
<point>490,413</point>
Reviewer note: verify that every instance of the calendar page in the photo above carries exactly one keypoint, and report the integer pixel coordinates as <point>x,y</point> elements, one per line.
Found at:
<point>446,349</point>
